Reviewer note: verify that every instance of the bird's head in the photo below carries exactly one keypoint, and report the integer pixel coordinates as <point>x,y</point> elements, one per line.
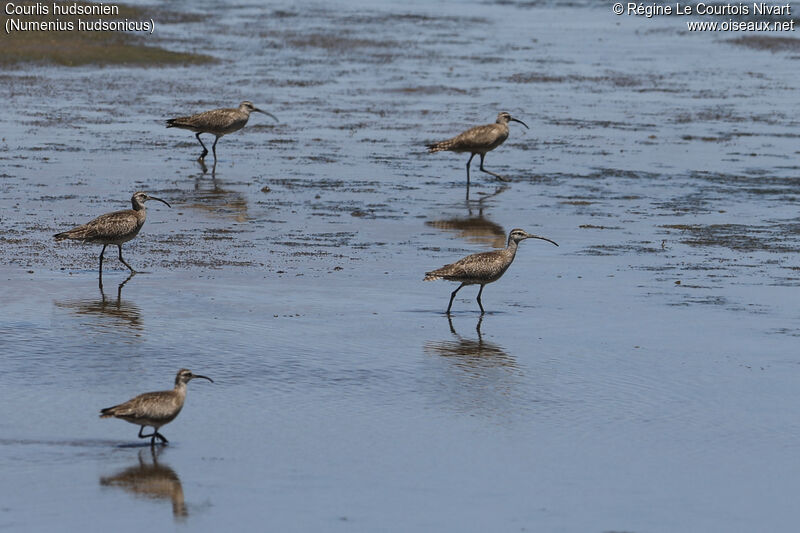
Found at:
<point>185,376</point>
<point>518,235</point>
<point>140,197</point>
<point>248,107</point>
<point>504,118</point>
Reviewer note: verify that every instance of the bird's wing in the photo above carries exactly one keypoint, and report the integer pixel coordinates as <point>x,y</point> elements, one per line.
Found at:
<point>148,405</point>
<point>475,266</point>
<point>110,224</point>
<point>213,119</point>
<point>480,137</point>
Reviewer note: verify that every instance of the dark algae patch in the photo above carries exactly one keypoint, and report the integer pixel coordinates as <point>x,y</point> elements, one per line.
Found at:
<point>79,47</point>
<point>771,44</point>
<point>739,237</point>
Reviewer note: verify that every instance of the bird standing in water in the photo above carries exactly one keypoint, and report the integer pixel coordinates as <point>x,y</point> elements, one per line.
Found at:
<point>154,409</point>
<point>217,122</point>
<point>482,268</point>
<point>478,140</point>
<point>113,228</point>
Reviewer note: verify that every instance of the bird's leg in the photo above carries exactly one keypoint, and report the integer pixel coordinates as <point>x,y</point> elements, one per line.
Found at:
<point>468,163</point>
<point>205,150</point>
<point>101,263</point>
<point>479,302</point>
<point>162,437</point>
<point>498,176</point>
<point>452,296</point>
<point>214,149</point>
<point>123,261</point>
<point>141,428</point>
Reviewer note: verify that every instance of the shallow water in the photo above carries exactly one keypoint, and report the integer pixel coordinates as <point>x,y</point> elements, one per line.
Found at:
<point>639,377</point>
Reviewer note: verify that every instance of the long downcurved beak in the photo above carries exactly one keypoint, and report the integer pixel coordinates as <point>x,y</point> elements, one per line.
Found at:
<point>532,236</point>
<point>265,113</point>
<point>195,376</point>
<point>159,199</point>
<point>517,120</point>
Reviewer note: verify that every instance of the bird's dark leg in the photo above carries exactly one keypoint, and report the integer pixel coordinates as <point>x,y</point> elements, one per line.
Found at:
<point>141,428</point>
<point>479,301</point>
<point>452,296</point>
<point>214,149</point>
<point>498,176</point>
<point>162,437</point>
<point>468,163</point>
<point>123,261</point>
<point>205,150</point>
<point>101,262</point>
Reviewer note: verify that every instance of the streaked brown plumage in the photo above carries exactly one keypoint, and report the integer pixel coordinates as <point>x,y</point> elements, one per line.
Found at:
<point>217,122</point>
<point>154,409</point>
<point>479,140</point>
<point>482,268</point>
<point>113,228</point>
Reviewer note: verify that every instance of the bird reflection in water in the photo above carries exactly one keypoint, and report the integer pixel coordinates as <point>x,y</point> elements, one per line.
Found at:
<point>210,196</point>
<point>123,312</point>
<point>475,356</point>
<point>150,479</point>
<point>475,228</point>
<point>204,167</point>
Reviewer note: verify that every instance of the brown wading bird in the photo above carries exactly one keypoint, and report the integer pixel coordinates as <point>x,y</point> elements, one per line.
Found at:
<point>479,140</point>
<point>482,268</point>
<point>217,122</point>
<point>113,228</point>
<point>154,409</point>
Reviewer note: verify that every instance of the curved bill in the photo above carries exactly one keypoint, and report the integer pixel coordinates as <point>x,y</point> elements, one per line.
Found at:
<point>194,376</point>
<point>532,236</point>
<point>159,199</point>
<point>265,113</point>
<point>517,120</point>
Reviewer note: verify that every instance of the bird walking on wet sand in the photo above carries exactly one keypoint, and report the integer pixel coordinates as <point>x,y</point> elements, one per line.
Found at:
<point>154,409</point>
<point>479,140</point>
<point>217,122</point>
<point>113,228</point>
<point>482,268</point>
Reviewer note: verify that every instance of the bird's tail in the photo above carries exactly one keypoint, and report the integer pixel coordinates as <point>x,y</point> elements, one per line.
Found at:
<point>69,234</point>
<point>439,146</point>
<point>173,122</point>
<point>108,412</point>
<point>79,233</point>
<point>432,276</point>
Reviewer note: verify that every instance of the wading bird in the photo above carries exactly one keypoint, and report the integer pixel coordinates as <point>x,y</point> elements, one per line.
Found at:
<point>482,268</point>
<point>154,409</point>
<point>113,228</point>
<point>478,140</point>
<point>217,122</point>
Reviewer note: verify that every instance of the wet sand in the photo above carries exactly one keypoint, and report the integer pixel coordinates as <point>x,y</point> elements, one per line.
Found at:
<point>637,378</point>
